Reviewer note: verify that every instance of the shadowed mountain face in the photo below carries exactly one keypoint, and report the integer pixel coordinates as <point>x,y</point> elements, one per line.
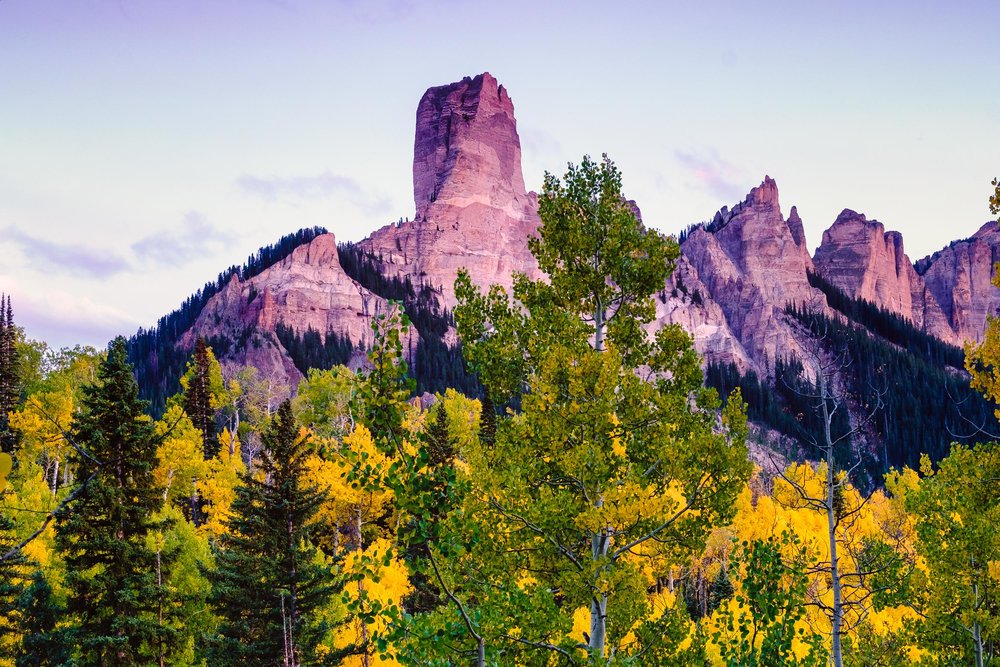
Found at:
<point>735,279</point>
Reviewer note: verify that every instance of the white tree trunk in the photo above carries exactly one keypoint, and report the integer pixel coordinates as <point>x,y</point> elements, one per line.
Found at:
<point>837,621</point>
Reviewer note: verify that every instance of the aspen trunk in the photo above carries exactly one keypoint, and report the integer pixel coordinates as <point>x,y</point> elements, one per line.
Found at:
<point>598,604</point>
<point>837,621</point>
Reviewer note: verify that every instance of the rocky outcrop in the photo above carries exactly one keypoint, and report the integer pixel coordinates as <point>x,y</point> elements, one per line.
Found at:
<point>307,289</point>
<point>686,301</point>
<point>858,256</point>
<point>472,210</point>
<point>959,280</point>
<point>753,262</point>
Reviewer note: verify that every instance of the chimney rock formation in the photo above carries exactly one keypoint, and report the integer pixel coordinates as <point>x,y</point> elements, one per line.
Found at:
<point>472,209</point>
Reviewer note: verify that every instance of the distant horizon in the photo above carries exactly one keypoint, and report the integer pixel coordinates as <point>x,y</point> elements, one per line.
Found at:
<point>149,148</point>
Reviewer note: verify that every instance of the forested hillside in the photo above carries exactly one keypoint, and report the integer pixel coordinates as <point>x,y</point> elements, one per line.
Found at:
<point>156,354</point>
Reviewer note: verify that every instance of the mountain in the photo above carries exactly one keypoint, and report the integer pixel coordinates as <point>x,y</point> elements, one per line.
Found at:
<point>745,286</point>
<point>753,262</point>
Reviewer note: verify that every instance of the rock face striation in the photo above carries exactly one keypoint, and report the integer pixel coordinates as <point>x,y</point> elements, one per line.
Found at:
<point>959,277</point>
<point>949,294</point>
<point>472,210</point>
<point>307,289</point>
<point>753,262</point>
<point>858,256</point>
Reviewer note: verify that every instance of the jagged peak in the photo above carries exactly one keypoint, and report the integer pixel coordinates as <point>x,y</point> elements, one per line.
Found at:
<point>796,227</point>
<point>765,193</point>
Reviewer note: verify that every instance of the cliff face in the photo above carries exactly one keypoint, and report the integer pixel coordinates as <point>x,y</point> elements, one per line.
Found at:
<point>472,209</point>
<point>959,280</point>
<point>307,289</point>
<point>867,262</point>
<point>949,294</point>
<point>753,262</point>
<point>687,302</point>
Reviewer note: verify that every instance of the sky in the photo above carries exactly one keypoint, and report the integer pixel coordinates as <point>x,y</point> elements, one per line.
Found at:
<point>145,146</point>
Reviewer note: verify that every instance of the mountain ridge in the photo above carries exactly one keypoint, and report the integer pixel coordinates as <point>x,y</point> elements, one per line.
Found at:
<point>735,281</point>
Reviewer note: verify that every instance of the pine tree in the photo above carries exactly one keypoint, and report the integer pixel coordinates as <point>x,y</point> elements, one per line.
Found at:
<point>441,450</point>
<point>200,402</point>
<point>115,603</point>
<point>9,376</point>
<point>488,422</point>
<point>42,643</point>
<point>268,584</point>
<point>438,480</point>
<point>12,573</point>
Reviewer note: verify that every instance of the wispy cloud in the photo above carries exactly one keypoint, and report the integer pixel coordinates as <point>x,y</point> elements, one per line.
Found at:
<point>73,259</point>
<point>719,177</point>
<point>61,318</point>
<point>195,237</point>
<point>322,186</point>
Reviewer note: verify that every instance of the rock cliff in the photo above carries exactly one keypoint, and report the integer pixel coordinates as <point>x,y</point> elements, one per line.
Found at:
<point>959,279</point>
<point>948,294</point>
<point>753,262</point>
<point>732,283</point>
<point>307,289</point>
<point>472,209</point>
<point>866,262</point>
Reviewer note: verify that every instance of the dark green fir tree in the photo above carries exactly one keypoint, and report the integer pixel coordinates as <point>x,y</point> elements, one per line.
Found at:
<point>269,582</point>
<point>199,403</point>
<point>116,607</point>
<point>13,570</point>
<point>43,644</point>
<point>10,381</point>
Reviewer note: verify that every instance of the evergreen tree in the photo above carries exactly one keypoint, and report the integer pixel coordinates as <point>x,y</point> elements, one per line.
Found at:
<point>488,421</point>
<point>12,572</point>
<point>10,382</point>
<point>440,458</point>
<point>439,442</point>
<point>269,583</point>
<point>42,643</point>
<point>115,602</point>
<point>202,383</point>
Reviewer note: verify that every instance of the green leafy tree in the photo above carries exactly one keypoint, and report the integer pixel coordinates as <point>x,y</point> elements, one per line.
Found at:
<point>614,458</point>
<point>115,602</point>
<point>326,402</point>
<point>269,583</point>
<point>765,622</point>
<point>957,510</point>
<point>995,197</point>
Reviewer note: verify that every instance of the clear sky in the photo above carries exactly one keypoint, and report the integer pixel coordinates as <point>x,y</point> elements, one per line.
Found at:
<point>147,145</point>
